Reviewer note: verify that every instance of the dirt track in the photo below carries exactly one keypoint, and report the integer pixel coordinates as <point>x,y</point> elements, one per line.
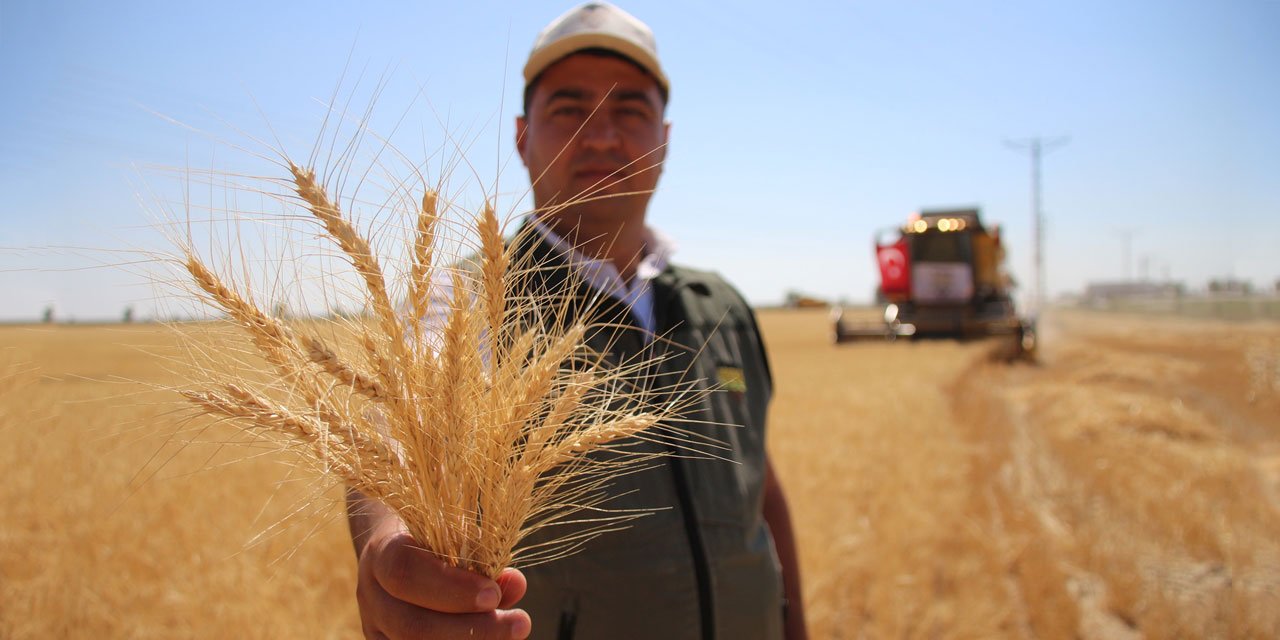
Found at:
<point>1126,486</point>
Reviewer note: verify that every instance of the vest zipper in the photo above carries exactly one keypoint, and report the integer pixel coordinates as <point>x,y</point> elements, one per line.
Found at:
<point>568,621</point>
<point>688,510</point>
<point>701,567</point>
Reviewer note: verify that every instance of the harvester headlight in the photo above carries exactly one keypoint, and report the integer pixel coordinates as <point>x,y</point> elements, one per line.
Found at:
<point>920,226</point>
<point>944,225</point>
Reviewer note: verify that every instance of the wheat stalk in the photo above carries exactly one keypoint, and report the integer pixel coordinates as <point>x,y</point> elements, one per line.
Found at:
<point>475,444</point>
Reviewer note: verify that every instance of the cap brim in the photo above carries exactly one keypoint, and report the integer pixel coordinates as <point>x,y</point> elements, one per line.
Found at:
<point>546,56</point>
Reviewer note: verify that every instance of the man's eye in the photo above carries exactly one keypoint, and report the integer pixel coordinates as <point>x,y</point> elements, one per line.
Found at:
<point>567,110</point>
<point>634,113</point>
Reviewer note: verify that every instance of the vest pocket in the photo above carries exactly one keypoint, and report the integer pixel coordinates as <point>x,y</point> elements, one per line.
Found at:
<point>728,492</point>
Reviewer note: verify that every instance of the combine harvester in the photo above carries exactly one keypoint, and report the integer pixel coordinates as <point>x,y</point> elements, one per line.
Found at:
<point>942,276</point>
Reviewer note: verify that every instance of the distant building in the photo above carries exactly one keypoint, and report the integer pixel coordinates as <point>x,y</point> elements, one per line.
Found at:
<point>1227,299</point>
<point>1099,292</point>
<point>798,300</point>
<point>1230,286</point>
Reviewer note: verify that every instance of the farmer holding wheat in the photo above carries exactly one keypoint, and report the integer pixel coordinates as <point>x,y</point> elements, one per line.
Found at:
<point>715,558</point>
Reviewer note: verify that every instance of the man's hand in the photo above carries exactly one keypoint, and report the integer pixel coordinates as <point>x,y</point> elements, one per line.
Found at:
<point>407,592</point>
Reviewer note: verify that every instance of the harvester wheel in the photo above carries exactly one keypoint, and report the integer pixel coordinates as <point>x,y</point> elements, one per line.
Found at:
<point>1027,341</point>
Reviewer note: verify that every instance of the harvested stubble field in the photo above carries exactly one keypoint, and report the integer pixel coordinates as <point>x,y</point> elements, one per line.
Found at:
<point>1127,487</point>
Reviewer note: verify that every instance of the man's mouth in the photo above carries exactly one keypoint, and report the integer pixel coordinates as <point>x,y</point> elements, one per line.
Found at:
<point>600,174</point>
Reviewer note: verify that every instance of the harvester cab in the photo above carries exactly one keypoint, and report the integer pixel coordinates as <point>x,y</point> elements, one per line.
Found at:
<point>942,275</point>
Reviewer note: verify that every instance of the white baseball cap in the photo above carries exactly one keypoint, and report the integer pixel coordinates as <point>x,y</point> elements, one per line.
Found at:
<point>596,25</point>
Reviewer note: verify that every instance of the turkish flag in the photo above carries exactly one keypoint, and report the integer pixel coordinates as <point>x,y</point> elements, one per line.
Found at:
<point>895,271</point>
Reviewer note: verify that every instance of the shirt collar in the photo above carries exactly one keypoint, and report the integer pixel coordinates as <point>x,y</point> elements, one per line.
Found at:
<point>658,248</point>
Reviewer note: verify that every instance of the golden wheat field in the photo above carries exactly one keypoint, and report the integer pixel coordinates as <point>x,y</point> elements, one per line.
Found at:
<point>1128,486</point>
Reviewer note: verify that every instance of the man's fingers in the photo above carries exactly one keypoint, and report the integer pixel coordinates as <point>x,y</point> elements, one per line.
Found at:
<point>513,586</point>
<point>400,620</point>
<point>419,577</point>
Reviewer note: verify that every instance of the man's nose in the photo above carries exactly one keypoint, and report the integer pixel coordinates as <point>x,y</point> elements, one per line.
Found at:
<point>600,132</point>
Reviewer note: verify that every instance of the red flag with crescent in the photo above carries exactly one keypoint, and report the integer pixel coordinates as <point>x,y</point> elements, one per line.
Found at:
<point>895,267</point>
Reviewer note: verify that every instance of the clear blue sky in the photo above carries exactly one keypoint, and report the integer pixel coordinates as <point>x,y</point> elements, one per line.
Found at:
<point>799,128</point>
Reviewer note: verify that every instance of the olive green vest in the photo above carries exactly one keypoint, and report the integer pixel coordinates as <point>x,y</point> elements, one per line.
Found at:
<point>702,565</point>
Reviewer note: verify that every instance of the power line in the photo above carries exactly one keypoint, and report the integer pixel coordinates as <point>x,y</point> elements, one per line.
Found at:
<point>1037,147</point>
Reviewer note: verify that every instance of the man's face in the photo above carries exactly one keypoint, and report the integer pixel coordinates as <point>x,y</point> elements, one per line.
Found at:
<point>594,128</point>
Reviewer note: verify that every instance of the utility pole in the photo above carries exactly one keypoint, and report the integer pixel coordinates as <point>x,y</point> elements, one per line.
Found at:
<point>1126,251</point>
<point>1037,147</point>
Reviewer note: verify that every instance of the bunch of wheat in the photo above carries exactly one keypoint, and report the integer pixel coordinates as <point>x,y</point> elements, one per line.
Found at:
<point>475,436</point>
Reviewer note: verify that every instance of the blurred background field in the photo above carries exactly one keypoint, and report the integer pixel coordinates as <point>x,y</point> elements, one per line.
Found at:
<point>1127,486</point>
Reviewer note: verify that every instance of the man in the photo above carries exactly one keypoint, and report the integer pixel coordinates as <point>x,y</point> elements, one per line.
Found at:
<point>717,558</point>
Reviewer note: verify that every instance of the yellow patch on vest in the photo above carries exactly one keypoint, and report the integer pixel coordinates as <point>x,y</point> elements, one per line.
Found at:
<point>731,379</point>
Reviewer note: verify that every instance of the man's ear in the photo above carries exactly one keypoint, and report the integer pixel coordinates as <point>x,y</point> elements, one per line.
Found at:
<point>666,139</point>
<point>522,126</point>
